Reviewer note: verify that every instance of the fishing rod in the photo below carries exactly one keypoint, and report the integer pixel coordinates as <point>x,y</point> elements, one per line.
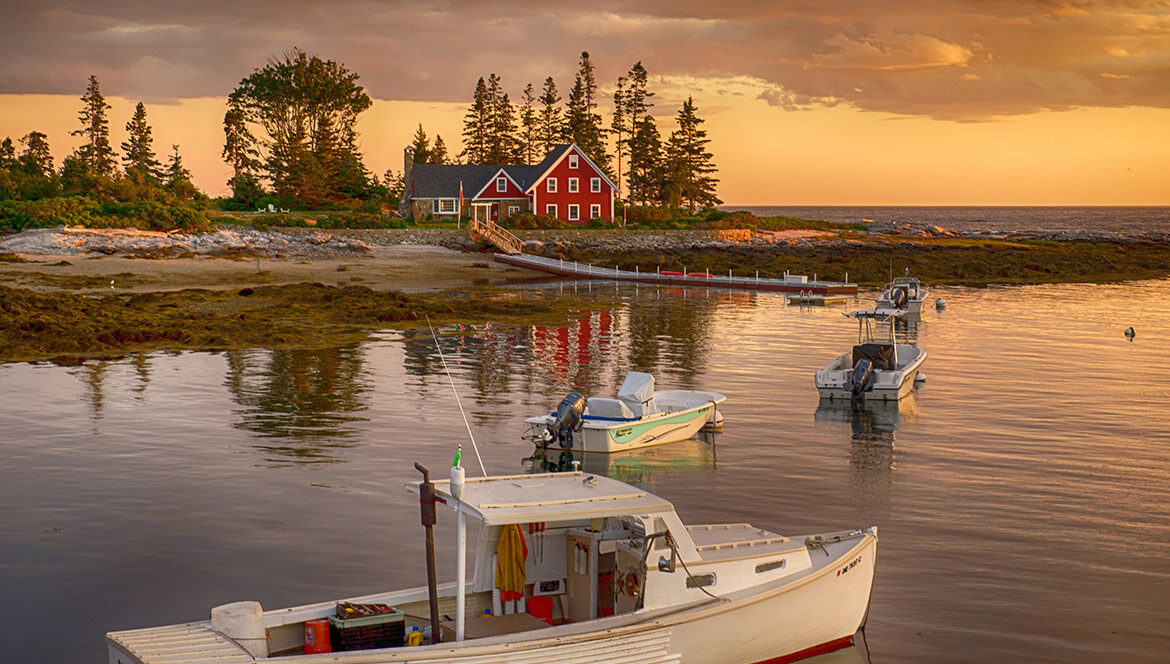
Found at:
<point>457,401</point>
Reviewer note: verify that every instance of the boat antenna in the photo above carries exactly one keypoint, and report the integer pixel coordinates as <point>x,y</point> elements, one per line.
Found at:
<point>457,401</point>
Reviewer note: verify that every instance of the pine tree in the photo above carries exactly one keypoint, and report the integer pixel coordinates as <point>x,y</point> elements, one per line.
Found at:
<point>634,106</point>
<point>36,160</point>
<point>646,163</point>
<point>505,146</point>
<point>529,127</point>
<point>239,151</point>
<point>178,178</point>
<point>551,123</point>
<point>439,151</point>
<point>476,125</point>
<point>584,126</point>
<point>690,166</point>
<point>422,146</point>
<point>7,154</point>
<point>619,129</point>
<point>95,150</point>
<point>138,158</point>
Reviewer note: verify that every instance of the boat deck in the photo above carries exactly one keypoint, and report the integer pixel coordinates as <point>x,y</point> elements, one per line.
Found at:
<point>737,540</point>
<point>190,642</point>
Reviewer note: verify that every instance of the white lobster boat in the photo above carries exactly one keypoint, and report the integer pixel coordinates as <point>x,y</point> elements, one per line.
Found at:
<point>640,416</point>
<point>877,368</point>
<point>691,594</point>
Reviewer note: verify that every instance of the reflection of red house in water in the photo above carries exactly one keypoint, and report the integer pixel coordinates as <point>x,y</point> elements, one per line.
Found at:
<point>571,350</point>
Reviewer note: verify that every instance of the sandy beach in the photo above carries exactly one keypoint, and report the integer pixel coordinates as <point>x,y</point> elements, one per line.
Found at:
<point>402,267</point>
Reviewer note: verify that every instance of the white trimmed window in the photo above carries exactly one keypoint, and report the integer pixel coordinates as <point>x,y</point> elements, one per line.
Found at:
<point>550,185</point>
<point>595,211</point>
<point>572,161</point>
<point>573,186</point>
<point>574,212</point>
<point>551,210</point>
<point>443,206</point>
<point>595,185</point>
<point>513,209</point>
<point>501,184</point>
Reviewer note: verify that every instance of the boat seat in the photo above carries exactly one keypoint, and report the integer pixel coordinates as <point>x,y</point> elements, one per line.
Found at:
<point>882,355</point>
<point>610,409</point>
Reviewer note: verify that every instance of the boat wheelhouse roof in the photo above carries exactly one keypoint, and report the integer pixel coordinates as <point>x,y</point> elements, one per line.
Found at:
<point>876,314</point>
<point>905,280</point>
<point>540,497</point>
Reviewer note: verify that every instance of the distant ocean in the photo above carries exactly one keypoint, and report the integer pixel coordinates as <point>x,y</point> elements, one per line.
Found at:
<point>1119,219</point>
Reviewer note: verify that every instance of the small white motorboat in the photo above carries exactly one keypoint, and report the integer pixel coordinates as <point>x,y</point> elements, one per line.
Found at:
<point>640,416</point>
<point>613,576</point>
<point>904,294</point>
<point>877,368</point>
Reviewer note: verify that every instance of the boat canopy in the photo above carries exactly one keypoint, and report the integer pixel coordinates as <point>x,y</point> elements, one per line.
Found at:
<point>499,501</point>
<point>638,393</point>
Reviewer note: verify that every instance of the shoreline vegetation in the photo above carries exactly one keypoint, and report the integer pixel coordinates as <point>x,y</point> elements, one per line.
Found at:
<point>71,293</point>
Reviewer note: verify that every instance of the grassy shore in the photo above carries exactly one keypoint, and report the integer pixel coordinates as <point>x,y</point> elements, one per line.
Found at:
<point>39,325</point>
<point>941,261</point>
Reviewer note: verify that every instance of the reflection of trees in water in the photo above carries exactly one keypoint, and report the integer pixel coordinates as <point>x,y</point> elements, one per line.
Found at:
<point>670,334</point>
<point>93,374</point>
<point>305,400</point>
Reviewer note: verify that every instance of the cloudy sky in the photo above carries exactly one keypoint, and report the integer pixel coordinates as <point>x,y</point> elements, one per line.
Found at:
<point>844,102</point>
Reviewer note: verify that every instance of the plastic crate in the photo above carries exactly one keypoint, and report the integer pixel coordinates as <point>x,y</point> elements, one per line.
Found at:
<point>382,631</point>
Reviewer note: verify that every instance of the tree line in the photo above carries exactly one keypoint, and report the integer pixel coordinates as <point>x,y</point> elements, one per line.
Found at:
<point>92,169</point>
<point>677,172</point>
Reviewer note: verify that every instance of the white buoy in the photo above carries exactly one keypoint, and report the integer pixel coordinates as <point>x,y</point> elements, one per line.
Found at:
<point>242,622</point>
<point>920,377</point>
<point>940,304</point>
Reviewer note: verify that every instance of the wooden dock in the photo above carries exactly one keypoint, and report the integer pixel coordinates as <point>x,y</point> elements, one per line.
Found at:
<point>788,284</point>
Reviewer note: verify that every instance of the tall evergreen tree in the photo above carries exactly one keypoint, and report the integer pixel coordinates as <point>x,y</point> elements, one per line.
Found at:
<point>646,163</point>
<point>618,127</point>
<point>439,151</point>
<point>584,125</point>
<point>422,146</point>
<point>239,151</point>
<point>95,150</point>
<point>7,154</point>
<point>138,158</point>
<point>36,160</point>
<point>690,165</point>
<point>529,127</point>
<point>505,146</point>
<point>551,122</point>
<point>477,125</point>
<point>178,178</point>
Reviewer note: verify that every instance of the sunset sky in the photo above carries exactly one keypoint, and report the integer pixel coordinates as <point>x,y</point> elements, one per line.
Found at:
<point>853,102</point>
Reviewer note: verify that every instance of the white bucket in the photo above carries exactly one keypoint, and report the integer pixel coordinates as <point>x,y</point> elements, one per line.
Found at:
<point>242,622</point>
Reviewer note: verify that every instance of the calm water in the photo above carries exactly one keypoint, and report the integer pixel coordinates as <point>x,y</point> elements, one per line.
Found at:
<point>1023,494</point>
<point>1111,219</point>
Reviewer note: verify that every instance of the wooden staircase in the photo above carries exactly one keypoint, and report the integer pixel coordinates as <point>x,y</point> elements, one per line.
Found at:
<point>496,235</point>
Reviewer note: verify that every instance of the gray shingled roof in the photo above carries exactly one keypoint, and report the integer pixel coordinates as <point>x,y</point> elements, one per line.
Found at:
<point>442,180</point>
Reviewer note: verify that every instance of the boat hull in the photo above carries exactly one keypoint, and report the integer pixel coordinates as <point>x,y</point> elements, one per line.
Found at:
<point>808,615</point>
<point>833,381</point>
<point>608,436</point>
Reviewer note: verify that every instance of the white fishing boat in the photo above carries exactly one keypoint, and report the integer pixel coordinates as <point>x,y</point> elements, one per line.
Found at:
<point>640,416</point>
<point>877,368</point>
<point>706,594</point>
<point>904,294</point>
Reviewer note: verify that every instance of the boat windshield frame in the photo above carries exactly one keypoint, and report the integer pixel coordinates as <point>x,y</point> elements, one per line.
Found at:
<point>871,321</point>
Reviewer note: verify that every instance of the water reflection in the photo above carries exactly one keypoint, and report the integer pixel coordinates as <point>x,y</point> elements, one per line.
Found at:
<point>305,402</point>
<point>633,466</point>
<point>93,374</point>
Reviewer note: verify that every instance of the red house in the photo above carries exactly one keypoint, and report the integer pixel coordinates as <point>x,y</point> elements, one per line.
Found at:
<point>566,184</point>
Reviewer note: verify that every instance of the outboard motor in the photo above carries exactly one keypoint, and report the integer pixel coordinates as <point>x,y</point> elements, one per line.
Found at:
<point>861,379</point>
<point>898,298</point>
<point>568,419</point>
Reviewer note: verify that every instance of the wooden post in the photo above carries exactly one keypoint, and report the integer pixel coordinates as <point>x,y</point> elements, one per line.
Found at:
<point>426,503</point>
